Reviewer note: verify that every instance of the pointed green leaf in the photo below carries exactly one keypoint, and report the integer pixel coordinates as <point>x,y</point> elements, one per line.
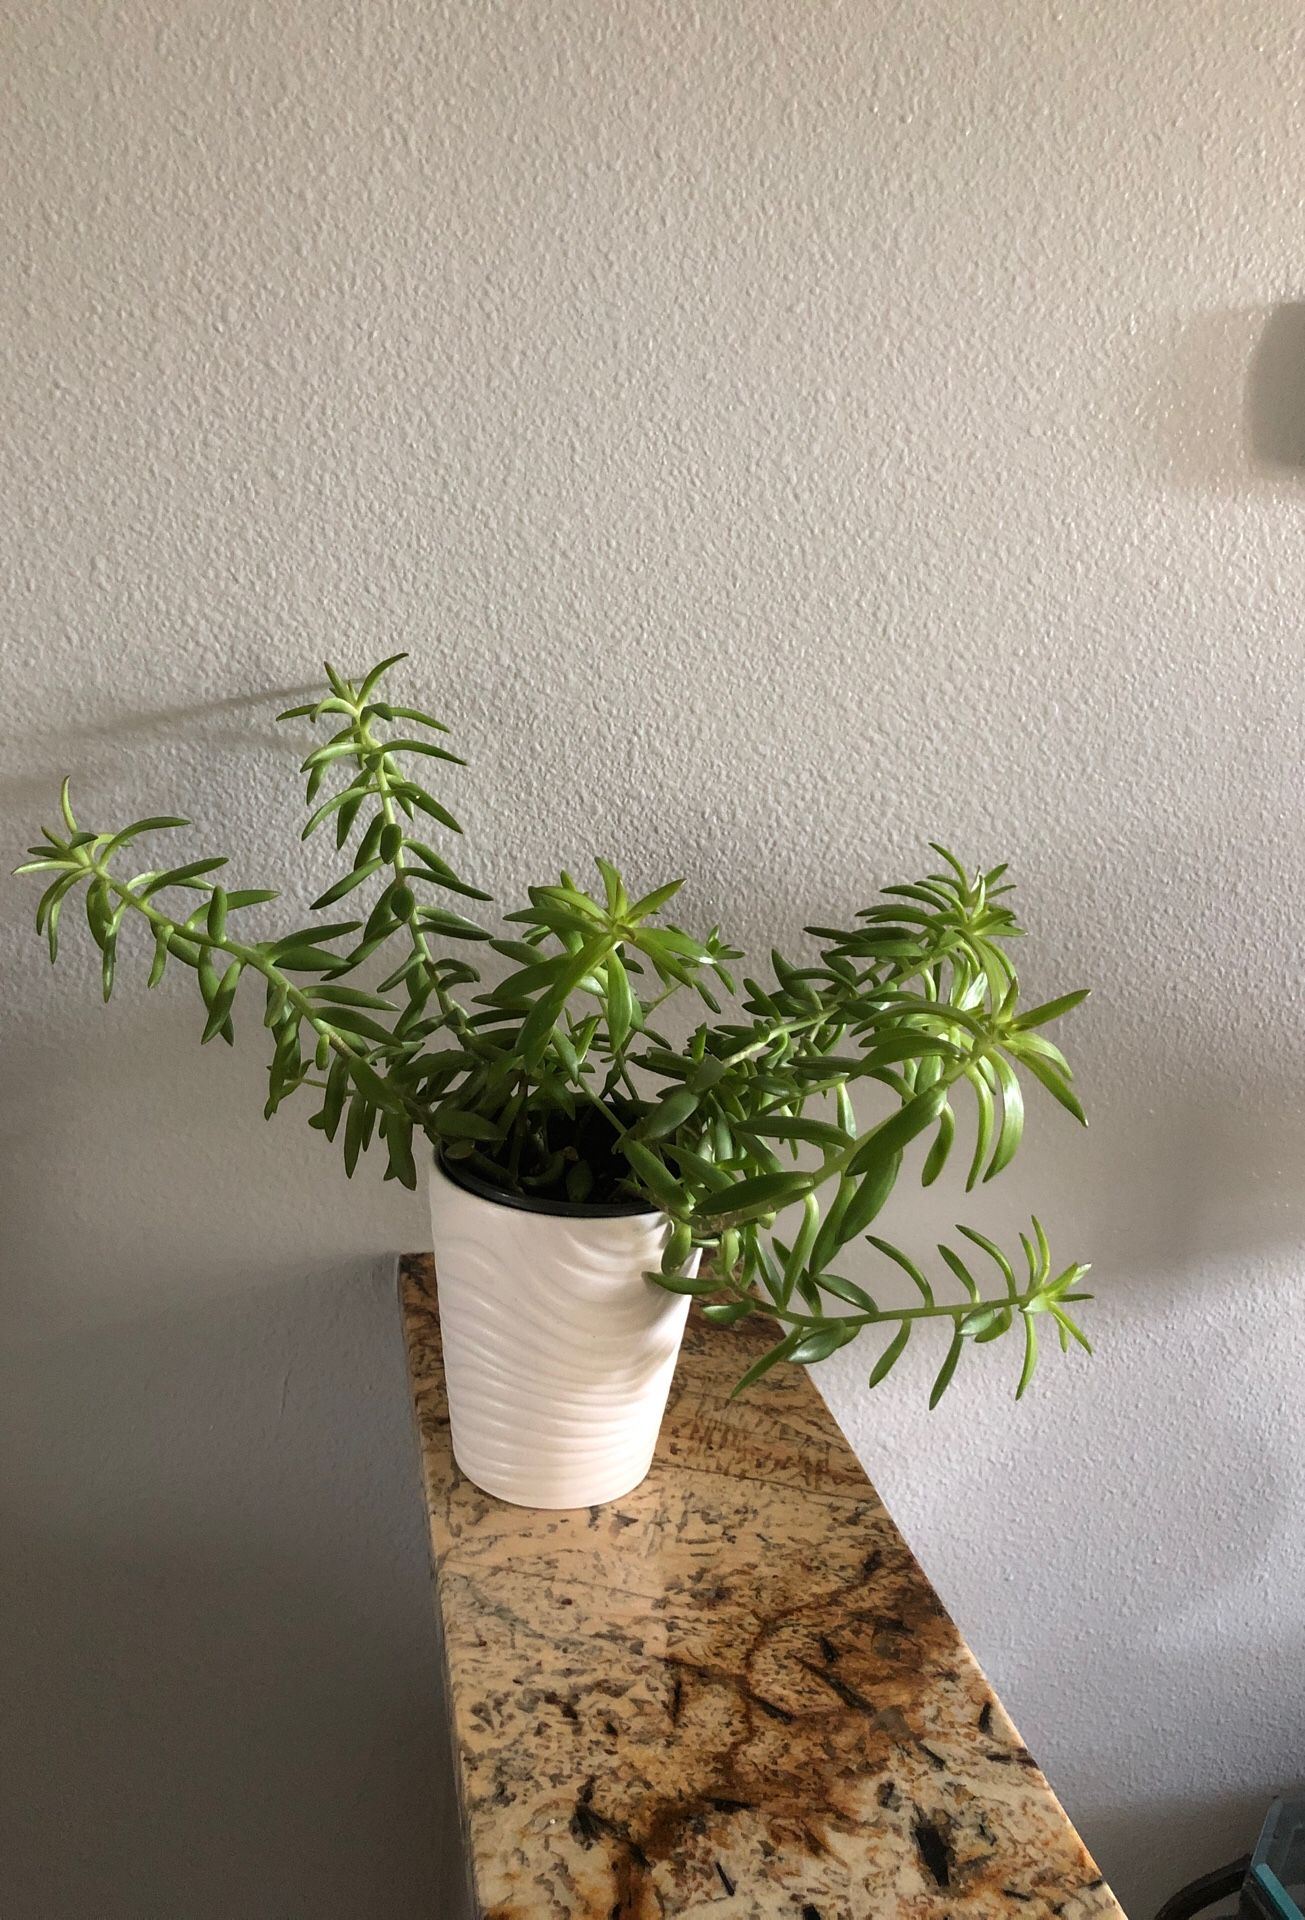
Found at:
<point>670,1113</point>
<point>178,876</point>
<point>350,997</point>
<point>1030,1354</point>
<point>783,1126</point>
<point>386,710</point>
<point>959,1268</point>
<point>347,884</point>
<point>353,792</point>
<point>1056,1085</point>
<point>947,1369</point>
<point>994,1253</point>
<point>817,1343</point>
<point>987,1120</point>
<point>650,903</point>
<point>424,746</point>
<point>454,926</point>
<point>679,1245</point>
<point>219,1004</point>
<point>1070,1327</point>
<point>376,674</point>
<point>942,1146</point>
<point>771,1358</point>
<point>652,1174</point>
<point>396,1130</point>
<point>539,1023</point>
<point>351,1020</point>
<point>1052,1009</point>
<point>1012,1117</point>
<point>354,1127</point>
<point>456,1123</point>
<point>380,1092</point>
<point>154,824</point>
<point>891,1135</point>
<point>763,1193</point>
<point>869,1199</point>
<point>703,1283</point>
<point>907,1265</point>
<point>430,806</point>
<point>620,1004</point>
<point>251,896</point>
<point>337,1090</point>
<point>99,912</point>
<point>846,1290</point>
<point>725,1313</point>
<point>891,1354</point>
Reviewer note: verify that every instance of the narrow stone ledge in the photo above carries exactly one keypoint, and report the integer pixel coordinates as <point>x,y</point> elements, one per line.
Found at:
<point>732,1695</point>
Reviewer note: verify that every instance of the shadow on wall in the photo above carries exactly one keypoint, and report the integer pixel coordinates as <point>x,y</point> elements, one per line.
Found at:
<point>1229,406</point>
<point>79,748</point>
<point>1175,1841</point>
<point>131,1104</point>
<point>1275,391</point>
<point>225,1680</point>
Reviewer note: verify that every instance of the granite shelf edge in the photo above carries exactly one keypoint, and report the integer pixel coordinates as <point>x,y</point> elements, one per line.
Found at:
<point>720,1698</point>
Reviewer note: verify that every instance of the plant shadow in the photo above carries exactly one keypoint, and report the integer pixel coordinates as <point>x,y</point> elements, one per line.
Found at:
<point>86,746</point>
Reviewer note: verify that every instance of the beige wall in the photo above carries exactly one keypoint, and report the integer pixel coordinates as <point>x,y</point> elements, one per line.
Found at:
<point>783,433</point>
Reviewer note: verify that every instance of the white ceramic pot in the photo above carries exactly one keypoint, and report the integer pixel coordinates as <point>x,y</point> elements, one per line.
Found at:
<point>558,1353</point>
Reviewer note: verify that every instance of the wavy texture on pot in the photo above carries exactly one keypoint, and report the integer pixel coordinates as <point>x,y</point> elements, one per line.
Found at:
<point>554,1080</point>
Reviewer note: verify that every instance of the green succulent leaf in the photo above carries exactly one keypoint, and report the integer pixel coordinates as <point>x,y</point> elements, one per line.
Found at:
<point>763,1193</point>
<point>685,1283</point>
<point>455,1123</point>
<point>653,1174</point>
<point>948,1367</point>
<point>847,1290</point>
<point>897,1132</point>
<point>1051,1010</point>
<point>784,1126</point>
<point>782,1350</point>
<point>869,1199</point>
<point>819,1342</point>
<point>891,1354</point>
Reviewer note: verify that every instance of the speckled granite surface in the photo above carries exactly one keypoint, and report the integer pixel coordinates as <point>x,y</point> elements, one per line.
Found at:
<point>732,1695</point>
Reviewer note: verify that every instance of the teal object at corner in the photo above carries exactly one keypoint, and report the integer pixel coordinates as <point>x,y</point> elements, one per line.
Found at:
<point>1275,1885</point>
<point>1277,1900</point>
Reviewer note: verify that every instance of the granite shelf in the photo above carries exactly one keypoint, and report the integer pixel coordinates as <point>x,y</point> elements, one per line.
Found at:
<point>732,1695</point>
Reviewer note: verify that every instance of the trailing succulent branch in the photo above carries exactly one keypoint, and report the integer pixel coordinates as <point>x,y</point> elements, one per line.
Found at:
<point>555,1081</point>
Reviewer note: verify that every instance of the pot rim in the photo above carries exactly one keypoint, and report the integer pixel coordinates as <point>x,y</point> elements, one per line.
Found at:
<point>470,1182</point>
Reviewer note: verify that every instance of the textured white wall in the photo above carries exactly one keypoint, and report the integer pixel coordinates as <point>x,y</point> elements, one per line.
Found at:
<point>783,433</point>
